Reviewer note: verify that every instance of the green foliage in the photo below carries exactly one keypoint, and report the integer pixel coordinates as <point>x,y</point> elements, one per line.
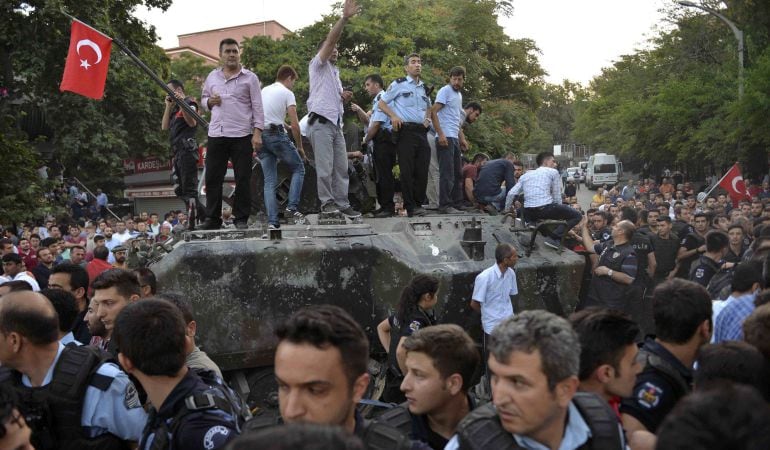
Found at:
<point>89,138</point>
<point>503,74</point>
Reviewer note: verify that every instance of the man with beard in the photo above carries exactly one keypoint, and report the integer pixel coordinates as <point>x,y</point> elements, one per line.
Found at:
<point>471,174</point>
<point>73,279</point>
<point>120,252</point>
<point>446,121</point>
<point>692,246</point>
<point>42,270</point>
<point>614,268</point>
<point>321,370</point>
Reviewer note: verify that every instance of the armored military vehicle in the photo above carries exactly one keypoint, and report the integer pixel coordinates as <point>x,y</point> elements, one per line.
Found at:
<point>242,283</point>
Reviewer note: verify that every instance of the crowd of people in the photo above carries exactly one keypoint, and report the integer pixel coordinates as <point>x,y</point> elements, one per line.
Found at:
<point>95,355</point>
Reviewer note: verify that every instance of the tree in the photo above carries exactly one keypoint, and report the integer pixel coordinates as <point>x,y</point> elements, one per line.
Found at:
<point>88,138</point>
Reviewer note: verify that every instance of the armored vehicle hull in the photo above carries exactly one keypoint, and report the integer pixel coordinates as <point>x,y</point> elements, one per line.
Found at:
<point>242,284</point>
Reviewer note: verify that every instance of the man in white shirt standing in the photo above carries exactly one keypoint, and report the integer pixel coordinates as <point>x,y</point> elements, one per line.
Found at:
<point>542,198</point>
<point>494,288</point>
<point>278,101</point>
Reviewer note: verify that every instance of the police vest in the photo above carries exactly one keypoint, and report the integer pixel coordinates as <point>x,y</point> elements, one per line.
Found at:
<point>217,399</point>
<point>379,436</point>
<point>54,411</point>
<point>482,430</point>
<point>650,359</point>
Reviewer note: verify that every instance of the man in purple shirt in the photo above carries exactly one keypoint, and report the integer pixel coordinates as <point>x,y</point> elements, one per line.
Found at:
<point>232,94</point>
<point>325,108</point>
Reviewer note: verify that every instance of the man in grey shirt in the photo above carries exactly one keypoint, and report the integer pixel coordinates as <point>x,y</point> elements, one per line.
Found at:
<point>325,108</point>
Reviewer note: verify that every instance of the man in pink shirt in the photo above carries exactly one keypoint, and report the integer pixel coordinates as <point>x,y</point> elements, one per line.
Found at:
<point>232,94</point>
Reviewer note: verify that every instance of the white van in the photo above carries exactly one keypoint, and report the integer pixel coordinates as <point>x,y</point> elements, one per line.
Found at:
<point>602,169</point>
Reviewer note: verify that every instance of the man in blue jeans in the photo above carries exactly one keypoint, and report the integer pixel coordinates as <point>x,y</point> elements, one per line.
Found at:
<point>542,198</point>
<point>488,190</point>
<point>278,102</point>
<point>446,121</point>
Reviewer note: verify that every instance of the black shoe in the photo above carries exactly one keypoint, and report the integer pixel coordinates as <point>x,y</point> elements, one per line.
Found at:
<point>350,212</point>
<point>383,213</point>
<point>210,224</point>
<point>242,225</point>
<point>417,212</point>
<point>330,207</point>
<point>449,210</point>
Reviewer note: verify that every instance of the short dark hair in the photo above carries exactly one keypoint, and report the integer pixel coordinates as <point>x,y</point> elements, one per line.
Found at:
<point>756,329</point>
<point>9,401</point>
<point>732,416</point>
<point>542,156</point>
<point>679,308</point>
<point>293,436</point>
<point>716,241</point>
<point>324,326</point>
<point>228,41</point>
<point>450,348</point>
<point>124,281</point>
<point>78,275</point>
<point>151,333</point>
<point>457,71</point>
<point>181,302</point>
<point>146,277</point>
<point>38,327</point>
<point>699,215</point>
<point>17,285</point>
<point>473,105</point>
<point>64,304</point>
<point>503,251</point>
<point>47,242</point>
<point>479,157</point>
<point>101,253</point>
<point>733,361</point>
<point>604,336</point>
<point>99,237</point>
<point>745,275</point>
<point>410,56</point>
<point>12,257</point>
<point>178,84</point>
<point>376,78</point>
<point>284,72</point>
<point>628,213</point>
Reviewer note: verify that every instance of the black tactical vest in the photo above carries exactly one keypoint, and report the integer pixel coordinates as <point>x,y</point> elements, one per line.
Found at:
<point>54,411</point>
<point>482,430</point>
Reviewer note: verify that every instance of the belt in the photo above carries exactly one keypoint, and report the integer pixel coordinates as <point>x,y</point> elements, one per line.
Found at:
<point>274,128</point>
<point>414,126</point>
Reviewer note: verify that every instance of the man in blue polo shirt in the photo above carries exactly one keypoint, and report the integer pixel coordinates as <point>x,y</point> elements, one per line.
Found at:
<point>446,114</point>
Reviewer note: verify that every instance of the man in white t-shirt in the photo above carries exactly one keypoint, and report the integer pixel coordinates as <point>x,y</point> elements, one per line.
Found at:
<point>494,288</point>
<point>278,101</point>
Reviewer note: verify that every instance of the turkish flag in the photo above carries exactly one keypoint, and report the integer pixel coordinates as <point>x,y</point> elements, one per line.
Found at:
<point>88,59</point>
<point>733,183</point>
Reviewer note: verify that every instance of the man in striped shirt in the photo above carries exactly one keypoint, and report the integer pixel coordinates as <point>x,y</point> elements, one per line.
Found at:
<point>542,198</point>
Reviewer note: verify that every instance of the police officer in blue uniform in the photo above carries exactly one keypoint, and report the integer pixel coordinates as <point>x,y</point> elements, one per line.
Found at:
<point>191,410</point>
<point>72,397</point>
<point>407,104</point>
<point>380,135</point>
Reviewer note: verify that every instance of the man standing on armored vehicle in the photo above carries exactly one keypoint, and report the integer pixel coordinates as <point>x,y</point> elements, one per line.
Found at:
<point>446,114</point>
<point>184,148</point>
<point>407,104</point>
<point>233,96</point>
<point>325,109</point>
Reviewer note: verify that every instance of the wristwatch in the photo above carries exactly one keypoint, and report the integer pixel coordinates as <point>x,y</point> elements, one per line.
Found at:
<point>609,273</point>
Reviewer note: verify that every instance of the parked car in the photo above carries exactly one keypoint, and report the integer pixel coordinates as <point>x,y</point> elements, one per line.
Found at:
<point>576,174</point>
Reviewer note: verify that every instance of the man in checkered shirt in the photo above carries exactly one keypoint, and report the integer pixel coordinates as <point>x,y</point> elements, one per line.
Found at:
<point>542,198</point>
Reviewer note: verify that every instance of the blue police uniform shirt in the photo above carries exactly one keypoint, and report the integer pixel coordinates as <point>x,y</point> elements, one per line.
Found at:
<point>116,410</point>
<point>449,116</point>
<point>378,115</point>
<point>407,99</point>
<point>576,433</point>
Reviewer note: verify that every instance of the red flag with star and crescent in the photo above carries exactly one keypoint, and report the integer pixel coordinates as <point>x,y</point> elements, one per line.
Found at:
<point>733,183</point>
<point>88,59</point>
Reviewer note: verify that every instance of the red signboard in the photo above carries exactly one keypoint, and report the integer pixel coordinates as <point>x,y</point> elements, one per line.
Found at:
<point>152,164</point>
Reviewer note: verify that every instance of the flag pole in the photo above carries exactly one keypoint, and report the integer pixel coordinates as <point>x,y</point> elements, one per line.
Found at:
<point>720,180</point>
<point>187,108</point>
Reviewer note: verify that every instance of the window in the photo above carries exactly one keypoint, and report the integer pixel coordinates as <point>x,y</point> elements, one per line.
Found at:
<point>605,168</point>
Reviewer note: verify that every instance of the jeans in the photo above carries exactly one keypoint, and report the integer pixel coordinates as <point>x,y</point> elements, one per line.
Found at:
<point>277,146</point>
<point>239,150</point>
<point>555,212</point>
<point>498,200</point>
<point>450,173</point>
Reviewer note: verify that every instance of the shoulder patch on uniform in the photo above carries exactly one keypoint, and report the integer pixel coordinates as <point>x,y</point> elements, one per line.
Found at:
<point>400,80</point>
<point>649,395</point>
<point>699,272</point>
<point>131,399</point>
<point>415,326</point>
<point>616,254</point>
<point>215,437</point>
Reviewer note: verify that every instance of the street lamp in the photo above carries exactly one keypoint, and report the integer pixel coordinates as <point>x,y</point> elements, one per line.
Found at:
<point>738,36</point>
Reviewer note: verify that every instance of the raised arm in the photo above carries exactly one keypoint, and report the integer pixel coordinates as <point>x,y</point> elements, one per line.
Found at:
<point>348,10</point>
